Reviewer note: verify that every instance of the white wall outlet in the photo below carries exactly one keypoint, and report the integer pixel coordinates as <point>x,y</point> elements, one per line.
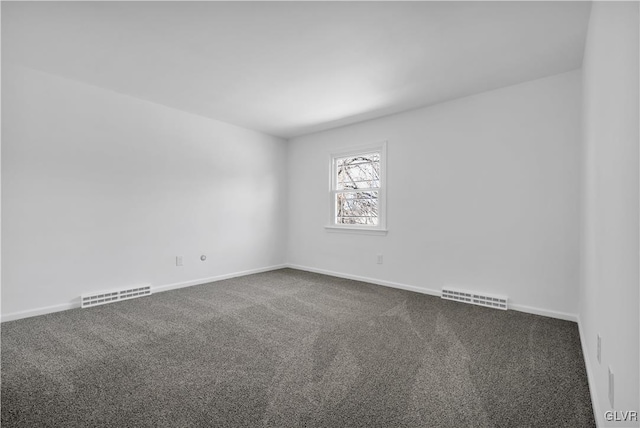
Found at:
<point>599,350</point>
<point>379,259</point>
<point>178,260</point>
<point>611,385</point>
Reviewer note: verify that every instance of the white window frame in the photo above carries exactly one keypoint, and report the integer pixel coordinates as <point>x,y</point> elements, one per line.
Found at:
<point>381,227</point>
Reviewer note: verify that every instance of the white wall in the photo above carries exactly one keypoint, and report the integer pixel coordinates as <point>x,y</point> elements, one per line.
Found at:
<point>101,190</point>
<point>609,285</point>
<point>483,194</point>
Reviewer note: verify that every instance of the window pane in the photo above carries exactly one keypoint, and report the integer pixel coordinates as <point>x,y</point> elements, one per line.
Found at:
<point>366,157</point>
<point>357,208</point>
<point>369,221</point>
<point>358,172</point>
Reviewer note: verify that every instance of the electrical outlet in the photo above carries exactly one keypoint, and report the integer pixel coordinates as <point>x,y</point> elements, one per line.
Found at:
<point>599,351</point>
<point>379,259</point>
<point>611,386</point>
<point>178,260</point>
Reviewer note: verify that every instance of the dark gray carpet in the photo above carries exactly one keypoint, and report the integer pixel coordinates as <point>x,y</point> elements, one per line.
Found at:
<point>292,349</point>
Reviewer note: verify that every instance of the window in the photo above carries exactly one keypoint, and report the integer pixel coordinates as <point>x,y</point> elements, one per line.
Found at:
<point>358,189</point>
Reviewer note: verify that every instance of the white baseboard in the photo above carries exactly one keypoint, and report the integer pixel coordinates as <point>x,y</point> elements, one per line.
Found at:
<point>40,311</point>
<point>175,286</point>
<point>597,414</point>
<point>156,289</point>
<point>544,312</point>
<point>432,292</point>
<point>369,280</point>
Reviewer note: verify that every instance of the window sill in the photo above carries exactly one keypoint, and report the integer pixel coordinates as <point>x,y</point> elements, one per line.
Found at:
<point>356,230</point>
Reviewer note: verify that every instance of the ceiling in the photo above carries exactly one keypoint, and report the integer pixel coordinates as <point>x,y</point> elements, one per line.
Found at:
<point>292,68</point>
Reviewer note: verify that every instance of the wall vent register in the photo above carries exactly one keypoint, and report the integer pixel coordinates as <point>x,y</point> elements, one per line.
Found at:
<point>104,297</point>
<point>475,298</point>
